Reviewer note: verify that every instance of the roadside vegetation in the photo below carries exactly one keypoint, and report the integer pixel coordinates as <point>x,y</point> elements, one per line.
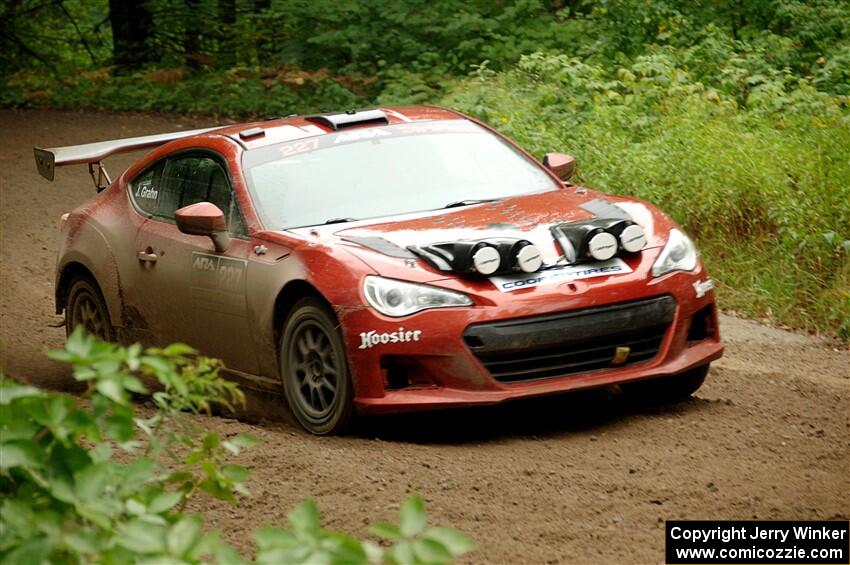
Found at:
<point>98,480</point>
<point>733,116</point>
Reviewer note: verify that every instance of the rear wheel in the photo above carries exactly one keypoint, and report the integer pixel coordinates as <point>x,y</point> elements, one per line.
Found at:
<point>668,389</point>
<point>314,369</point>
<point>86,308</point>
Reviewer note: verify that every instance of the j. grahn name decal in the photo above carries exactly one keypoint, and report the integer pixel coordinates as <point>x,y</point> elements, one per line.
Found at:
<point>373,338</point>
<point>145,190</point>
<point>219,273</point>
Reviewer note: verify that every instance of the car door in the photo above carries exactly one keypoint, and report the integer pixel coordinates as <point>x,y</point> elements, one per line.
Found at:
<point>186,290</point>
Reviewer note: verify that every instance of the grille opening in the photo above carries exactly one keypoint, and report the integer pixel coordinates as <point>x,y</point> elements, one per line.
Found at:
<point>575,358</point>
<point>578,341</point>
<point>402,372</point>
<point>702,324</point>
<point>473,341</point>
<point>395,374</point>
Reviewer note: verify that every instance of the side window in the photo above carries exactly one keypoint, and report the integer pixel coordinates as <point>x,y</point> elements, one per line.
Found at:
<point>145,190</point>
<point>178,173</point>
<point>221,194</point>
<point>189,180</point>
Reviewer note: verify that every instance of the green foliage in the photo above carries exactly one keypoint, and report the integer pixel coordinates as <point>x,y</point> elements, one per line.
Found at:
<point>764,185</point>
<point>237,93</point>
<point>364,36</point>
<point>732,115</point>
<point>409,543</point>
<point>94,481</point>
<point>416,544</point>
<point>53,37</point>
<point>69,497</point>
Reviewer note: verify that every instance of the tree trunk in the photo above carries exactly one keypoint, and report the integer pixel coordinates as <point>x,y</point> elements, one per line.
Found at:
<point>227,21</point>
<point>192,34</point>
<point>262,45</point>
<point>132,27</point>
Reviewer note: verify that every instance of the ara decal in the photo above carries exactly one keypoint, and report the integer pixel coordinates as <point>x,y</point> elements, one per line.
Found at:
<point>218,273</point>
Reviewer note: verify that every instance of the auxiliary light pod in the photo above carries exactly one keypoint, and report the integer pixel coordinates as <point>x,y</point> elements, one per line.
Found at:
<point>599,239</point>
<point>520,255</point>
<point>483,257</point>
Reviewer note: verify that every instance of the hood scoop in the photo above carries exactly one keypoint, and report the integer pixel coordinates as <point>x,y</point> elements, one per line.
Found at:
<point>380,245</point>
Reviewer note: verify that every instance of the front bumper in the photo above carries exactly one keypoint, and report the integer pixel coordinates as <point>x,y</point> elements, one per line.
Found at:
<point>536,342</point>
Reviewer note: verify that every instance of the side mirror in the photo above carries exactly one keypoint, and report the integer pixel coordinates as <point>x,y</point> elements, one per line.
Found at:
<point>562,165</point>
<point>206,219</point>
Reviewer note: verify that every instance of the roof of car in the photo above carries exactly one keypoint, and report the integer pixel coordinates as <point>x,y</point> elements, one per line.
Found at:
<point>276,130</point>
<point>249,135</point>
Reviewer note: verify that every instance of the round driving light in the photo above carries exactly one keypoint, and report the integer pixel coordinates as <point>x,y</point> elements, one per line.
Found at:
<point>602,246</point>
<point>528,259</point>
<point>633,238</point>
<point>486,260</point>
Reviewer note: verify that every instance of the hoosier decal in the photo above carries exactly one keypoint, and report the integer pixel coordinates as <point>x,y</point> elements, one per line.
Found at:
<point>373,338</point>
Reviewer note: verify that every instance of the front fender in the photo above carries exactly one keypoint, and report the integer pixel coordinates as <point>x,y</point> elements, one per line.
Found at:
<point>294,266</point>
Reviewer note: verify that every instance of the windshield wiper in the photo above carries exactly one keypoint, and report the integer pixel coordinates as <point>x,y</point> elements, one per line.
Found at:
<point>469,202</point>
<point>339,220</point>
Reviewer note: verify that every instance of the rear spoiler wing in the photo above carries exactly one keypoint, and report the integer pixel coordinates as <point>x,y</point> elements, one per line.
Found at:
<point>92,154</point>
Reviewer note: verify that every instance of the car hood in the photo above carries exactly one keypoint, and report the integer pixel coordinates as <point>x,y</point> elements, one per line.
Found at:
<point>382,243</point>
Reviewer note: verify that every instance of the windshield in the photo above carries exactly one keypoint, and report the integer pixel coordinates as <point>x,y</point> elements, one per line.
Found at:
<point>383,171</point>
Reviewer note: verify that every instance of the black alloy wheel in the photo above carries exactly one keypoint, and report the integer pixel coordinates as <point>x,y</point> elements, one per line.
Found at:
<point>314,369</point>
<point>87,308</point>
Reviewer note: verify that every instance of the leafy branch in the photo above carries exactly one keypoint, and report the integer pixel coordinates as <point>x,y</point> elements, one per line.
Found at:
<point>66,497</point>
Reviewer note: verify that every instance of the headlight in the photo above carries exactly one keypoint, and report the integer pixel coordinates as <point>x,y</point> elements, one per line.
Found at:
<point>397,298</point>
<point>679,254</point>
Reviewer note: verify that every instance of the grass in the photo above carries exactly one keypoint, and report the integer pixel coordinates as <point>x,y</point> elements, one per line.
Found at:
<point>765,190</point>
<point>758,175</point>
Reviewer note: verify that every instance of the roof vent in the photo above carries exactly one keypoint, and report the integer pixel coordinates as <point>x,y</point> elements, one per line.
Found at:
<point>251,133</point>
<point>350,119</point>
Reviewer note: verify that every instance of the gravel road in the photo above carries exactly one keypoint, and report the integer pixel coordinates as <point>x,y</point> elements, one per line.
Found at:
<point>577,479</point>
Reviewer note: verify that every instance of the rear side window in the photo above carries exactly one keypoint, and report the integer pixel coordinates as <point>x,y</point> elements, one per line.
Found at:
<point>146,190</point>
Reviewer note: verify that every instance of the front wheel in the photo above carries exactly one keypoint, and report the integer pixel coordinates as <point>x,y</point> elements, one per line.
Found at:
<point>314,369</point>
<point>668,389</point>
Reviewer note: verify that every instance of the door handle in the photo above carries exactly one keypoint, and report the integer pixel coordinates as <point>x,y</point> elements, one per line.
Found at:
<point>147,256</point>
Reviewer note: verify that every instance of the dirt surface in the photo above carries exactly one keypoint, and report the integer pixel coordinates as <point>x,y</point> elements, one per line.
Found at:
<point>583,478</point>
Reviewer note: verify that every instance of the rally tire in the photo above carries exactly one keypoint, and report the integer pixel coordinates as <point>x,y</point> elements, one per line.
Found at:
<point>87,308</point>
<point>668,389</point>
<point>314,369</point>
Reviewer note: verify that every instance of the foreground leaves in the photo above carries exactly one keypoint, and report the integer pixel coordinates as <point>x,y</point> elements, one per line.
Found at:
<point>416,544</point>
<point>67,499</point>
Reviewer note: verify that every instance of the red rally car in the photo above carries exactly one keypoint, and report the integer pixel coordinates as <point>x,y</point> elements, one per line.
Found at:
<point>383,260</point>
